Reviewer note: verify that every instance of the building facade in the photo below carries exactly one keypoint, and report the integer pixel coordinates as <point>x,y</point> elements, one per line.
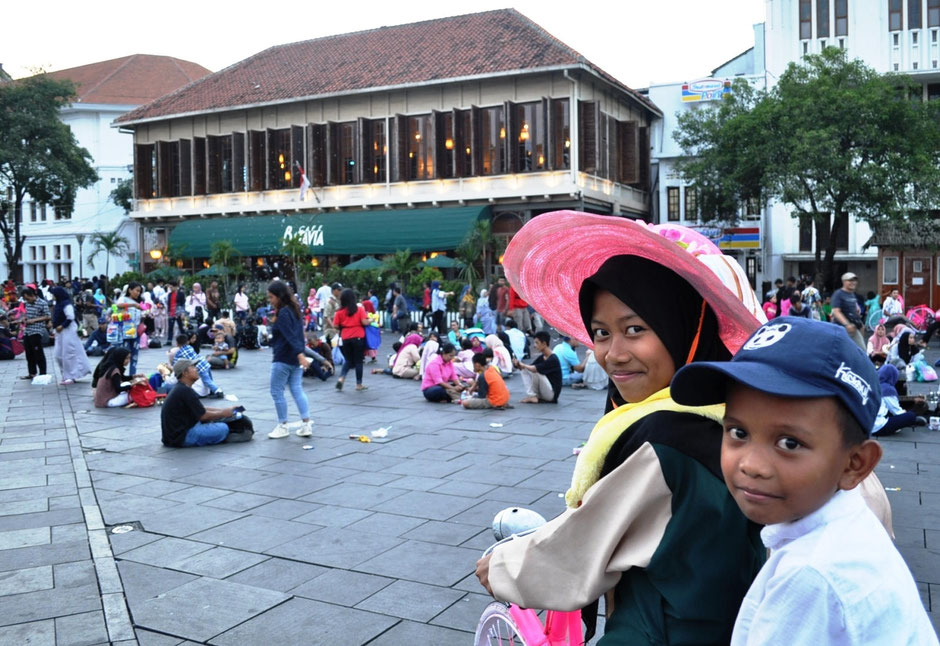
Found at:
<point>58,243</point>
<point>401,151</point>
<point>888,35</point>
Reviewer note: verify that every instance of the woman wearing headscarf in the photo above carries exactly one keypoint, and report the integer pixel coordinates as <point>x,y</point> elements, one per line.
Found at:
<point>101,298</point>
<point>485,318</point>
<point>69,352</point>
<point>501,357</point>
<point>408,357</point>
<point>891,417</point>
<point>197,298</point>
<point>110,381</point>
<point>878,343</point>
<point>373,338</point>
<point>429,351</point>
<point>650,522</point>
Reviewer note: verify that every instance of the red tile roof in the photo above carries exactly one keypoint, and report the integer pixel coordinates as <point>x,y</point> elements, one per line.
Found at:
<point>131,80</point>
<point>472,45</point>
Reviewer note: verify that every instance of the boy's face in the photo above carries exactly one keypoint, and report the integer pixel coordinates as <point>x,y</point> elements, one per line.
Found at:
<point>784,458</point>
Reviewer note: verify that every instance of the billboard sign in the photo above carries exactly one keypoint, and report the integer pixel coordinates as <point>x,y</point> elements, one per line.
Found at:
<point>705,90</point>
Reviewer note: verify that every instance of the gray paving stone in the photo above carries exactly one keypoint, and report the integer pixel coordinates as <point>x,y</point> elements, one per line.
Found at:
<point>218,563</point>
<point>278,574</point>
<point>195,494</point>
<point>440,532</point>
<point>51,554</point>
<point>332,547</point>
<point>329,516</point>
<point>25,580</point>
<point>386,524</point>
<point>254,533</point>
<point>148,638</point>
<point>410,632</point>
<point>410,600</point>
<point>156,488</point>
<point>46,604</point>
<point>34,633</point>
<point>166,551</point>
<point>185,520</point>
<point>72,575</point>
<point>285,509</point>
<point>465,614</point>
<point>142,582</point>
<point>24,507</point>
<point>69,533</point>
<point>83,629</point>
<point>423,562</point>
<point>229,478</point>
<point>353,495</point>
<point>238,501</point>
<point>232,604</point>
<point>297,620</point>
<point>121,543</point>
<point>423,504</point>
<point>16,538</point>
<point>342,587</point>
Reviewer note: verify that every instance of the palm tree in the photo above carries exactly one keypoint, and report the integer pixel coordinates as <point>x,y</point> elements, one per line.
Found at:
<point>469,253</point>
<point>403,264</point>
<point>111,243</point>
<point>226,257</point>
<point>298,252</point>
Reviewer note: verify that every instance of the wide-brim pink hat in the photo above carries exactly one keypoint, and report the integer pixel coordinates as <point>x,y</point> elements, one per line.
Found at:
<point>548,260</point>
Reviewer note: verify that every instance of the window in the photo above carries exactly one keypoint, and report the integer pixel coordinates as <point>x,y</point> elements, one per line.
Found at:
<point>628,152</point>
<point>529,136</point>
<point>446,145</point>
<point>561,133</point>
<point>257,153</point>
<point>806,19</point>
<point>588,118</point>
<point>842,18</point>
<point>316,151</point>
<point>67,249</point>
<point>465,142</point>
<point>168,173</point>
<point>32,253</point>
<point>914,38</point>
<point>822,19</point>
<point>691,203</point>
<point>752,207</point>
<point>603,148</point>
<point>672,203</point>
<point>420,140</point>
<point>279,161</point>
<point>33,212</point>
<point>492,139</point>
<point>239,167</point>
<point>889,270</point>
<point>933,15</point>
<point>59,213</point>
<point>914,15</point>
<point>373,166</point>
<point>933,91</point>
<point>894,16</point>
<point>143,171</point>
<point>42,253</point>
<point>344,153</point>
<point>806,233</point>
<point>57,252</point>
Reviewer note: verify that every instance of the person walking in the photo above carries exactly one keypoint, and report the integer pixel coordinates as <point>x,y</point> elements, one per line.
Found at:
<point>845,309</point>
<point>69,352</point>
<point>289,362</point>
<point>438,307</point>
<point>350,319</point>
<point>242,308</point>
<point>35,319</point>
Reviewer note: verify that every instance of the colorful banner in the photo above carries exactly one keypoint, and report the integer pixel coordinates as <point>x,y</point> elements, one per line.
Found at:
<point>740,238</point>
<point>705,90</point>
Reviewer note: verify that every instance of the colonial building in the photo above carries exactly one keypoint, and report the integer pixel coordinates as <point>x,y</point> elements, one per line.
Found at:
<point>407,135</point>
<point>57,241</point>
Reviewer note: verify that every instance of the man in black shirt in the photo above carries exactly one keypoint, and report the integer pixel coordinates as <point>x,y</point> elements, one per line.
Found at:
<point>542,379</point>
<point>184,420</point>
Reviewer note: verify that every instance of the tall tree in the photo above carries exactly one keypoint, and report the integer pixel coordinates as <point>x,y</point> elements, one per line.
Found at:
<point>832,137</point>
<point>227,259</point>
<point>404,265</point>
<point>39,155</point>
<point>110,243</point>
<point>297,252</point>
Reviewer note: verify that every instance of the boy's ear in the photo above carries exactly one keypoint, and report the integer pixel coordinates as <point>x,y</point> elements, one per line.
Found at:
<point>862,461</point>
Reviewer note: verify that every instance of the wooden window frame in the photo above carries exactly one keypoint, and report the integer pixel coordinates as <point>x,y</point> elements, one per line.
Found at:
<point>896,261</point>
<point>841,11</point>
<point>690,194</point>
<point>673,204</point>
<point>560,134</point>
<point>805,19</point>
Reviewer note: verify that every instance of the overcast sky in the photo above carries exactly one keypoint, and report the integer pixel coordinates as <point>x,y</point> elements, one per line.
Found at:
<point>638,41</point>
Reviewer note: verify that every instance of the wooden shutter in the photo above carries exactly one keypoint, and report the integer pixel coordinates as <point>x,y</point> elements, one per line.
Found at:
<point>239,166</point>
<point>296,153</point>
<point>332,153</point>
<point>213,185</point>
<point>186,167</point>
<point>603,146</point>
<point>511,142</point>
<point>317,171</point>
<point>476,137</point>
<point>400,148</point>
<point>643,137</point>
<point>629,152</point>
<point>437,121</point>
<point>461,141</point>
<point>547,112</point>
<point>588,118</point>
<point>365,152</point>
<point>356,170</point>
<point>199,166</point>
<point>143,171</point>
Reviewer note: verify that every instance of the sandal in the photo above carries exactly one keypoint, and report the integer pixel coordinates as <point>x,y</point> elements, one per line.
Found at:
<point>339,385</point>
<point>361,387</point>
<point>28,377</point>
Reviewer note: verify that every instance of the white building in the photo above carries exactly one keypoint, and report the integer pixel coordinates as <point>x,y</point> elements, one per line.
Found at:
<point>888,35</point>
<point>106,90</point>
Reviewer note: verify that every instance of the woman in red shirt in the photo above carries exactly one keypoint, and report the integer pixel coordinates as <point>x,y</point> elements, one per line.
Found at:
<point>350,319</point>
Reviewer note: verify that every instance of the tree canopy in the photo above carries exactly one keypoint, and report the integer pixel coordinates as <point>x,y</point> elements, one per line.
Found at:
<point>39,155</point>
<point>833,136</point>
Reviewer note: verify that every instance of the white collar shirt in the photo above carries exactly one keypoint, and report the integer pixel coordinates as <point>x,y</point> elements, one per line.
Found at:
<point>833,577</point>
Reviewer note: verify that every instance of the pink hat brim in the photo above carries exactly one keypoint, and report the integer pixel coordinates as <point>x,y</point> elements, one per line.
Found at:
<point>550,257</point>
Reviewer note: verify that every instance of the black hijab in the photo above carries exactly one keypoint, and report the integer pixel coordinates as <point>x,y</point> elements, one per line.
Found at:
<point>664,300</point>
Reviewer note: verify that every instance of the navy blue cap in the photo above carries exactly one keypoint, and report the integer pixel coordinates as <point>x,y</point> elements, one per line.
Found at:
<point>790,357</point>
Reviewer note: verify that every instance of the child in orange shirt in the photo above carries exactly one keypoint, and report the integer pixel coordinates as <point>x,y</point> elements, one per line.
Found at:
<point>490,389</point>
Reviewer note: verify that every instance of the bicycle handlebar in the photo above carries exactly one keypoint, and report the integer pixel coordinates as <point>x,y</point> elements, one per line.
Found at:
<point>489,550</point>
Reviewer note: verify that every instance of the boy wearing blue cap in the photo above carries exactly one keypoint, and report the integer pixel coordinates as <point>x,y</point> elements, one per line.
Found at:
<point>797,443</point>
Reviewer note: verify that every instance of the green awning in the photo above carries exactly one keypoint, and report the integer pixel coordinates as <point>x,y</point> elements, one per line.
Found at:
<point>335,233</point>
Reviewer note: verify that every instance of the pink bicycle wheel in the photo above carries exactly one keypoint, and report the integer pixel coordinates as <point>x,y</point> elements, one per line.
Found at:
<point>498,628</point>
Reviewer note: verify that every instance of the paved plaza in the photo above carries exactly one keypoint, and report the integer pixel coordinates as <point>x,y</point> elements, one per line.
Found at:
<point>270,543</point>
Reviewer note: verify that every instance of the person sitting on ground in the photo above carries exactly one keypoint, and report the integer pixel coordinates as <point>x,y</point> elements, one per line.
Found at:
<point>878,344</point>
<point>322,366</point>
<point>440,383</point>
<point>227,323</point>
<point>501,357</point>
<point>891,417</point>
<point>454,334</point>
<point>184,421</point>
<point>463,363</point>
<point>97,342</point>
<point>429,351</point>
<point>572,369</point>
<point>224,353</point>
<point>541,378</point>
<point>112,386</point>
<point>396,349</point>
<point>489,389</point>
<point>407,359</point>
<point>833,575</point>
<point>186,351</point>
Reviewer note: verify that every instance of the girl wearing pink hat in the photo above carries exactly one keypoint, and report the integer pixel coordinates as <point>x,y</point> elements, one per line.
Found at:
<point>650,523</point>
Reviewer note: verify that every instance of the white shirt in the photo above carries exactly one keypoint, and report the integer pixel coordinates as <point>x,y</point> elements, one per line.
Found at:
<point>892,307</point>
<point>517,341</point>
<point>159,294</point>
<point>833,578</point>
<point>324,294</point>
